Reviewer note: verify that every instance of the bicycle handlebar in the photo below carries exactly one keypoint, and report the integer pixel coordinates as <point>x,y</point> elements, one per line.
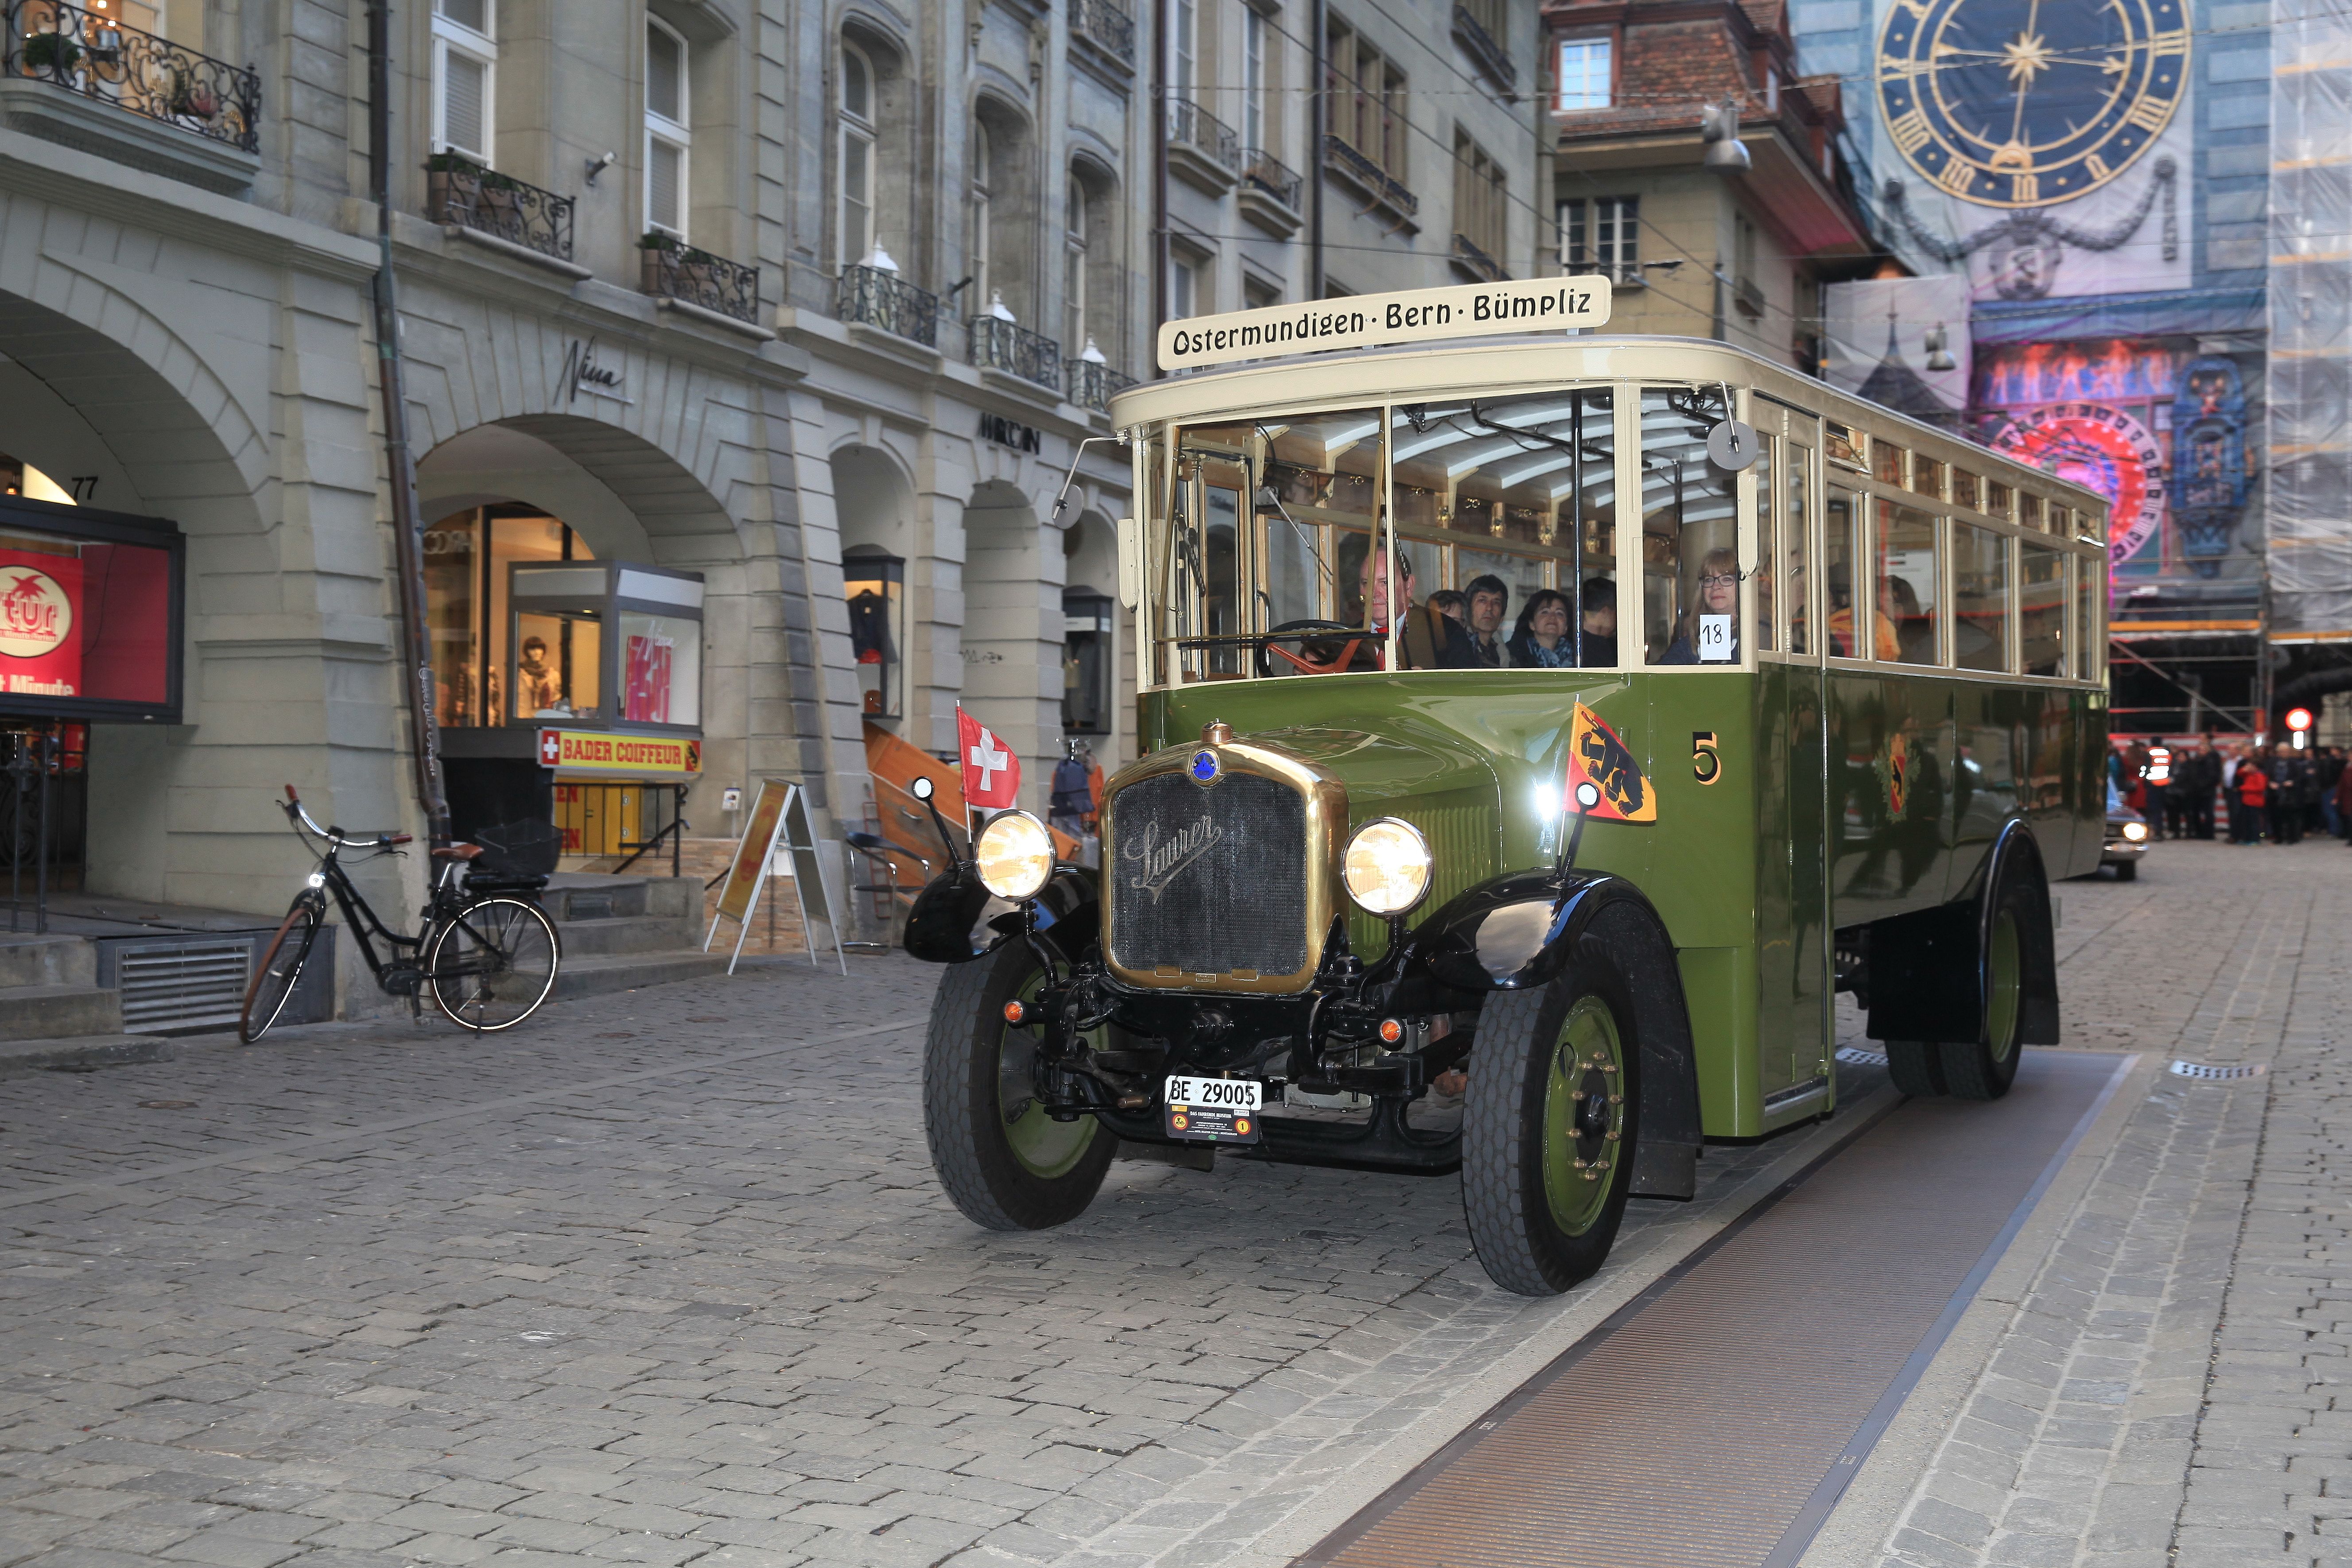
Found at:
<point>295,812</point>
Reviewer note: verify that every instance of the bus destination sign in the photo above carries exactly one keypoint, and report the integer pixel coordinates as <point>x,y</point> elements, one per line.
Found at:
<point>1408,316</point>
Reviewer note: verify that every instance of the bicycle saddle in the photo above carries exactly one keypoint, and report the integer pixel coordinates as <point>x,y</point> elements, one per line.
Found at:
<point>457,852</point>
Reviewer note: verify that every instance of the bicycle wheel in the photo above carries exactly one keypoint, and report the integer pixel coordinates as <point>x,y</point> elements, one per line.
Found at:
<point>493,964</point>
<point>281,966</point>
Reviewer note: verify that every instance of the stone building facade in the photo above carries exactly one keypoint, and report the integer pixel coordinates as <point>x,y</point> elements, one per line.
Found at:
<point>732,289</point>
<point>1695,252</point>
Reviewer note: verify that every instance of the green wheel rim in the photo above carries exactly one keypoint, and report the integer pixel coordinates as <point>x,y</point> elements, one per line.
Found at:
<point>1044,1146</point>
<point>1584,1116</point>
<point>2008,967</point>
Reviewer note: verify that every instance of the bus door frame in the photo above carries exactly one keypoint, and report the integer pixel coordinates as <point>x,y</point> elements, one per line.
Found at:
<point>1805,1045</point>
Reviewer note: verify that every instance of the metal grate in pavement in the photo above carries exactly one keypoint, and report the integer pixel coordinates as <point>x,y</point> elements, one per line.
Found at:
<point>1714,1420</point>
<point>2207,1072</point>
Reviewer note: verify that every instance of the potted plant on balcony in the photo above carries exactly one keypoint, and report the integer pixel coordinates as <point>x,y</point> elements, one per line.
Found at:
<point>192,98</point>
<point>51,52</point>
<point>659,258</point>
<point>452,186</point>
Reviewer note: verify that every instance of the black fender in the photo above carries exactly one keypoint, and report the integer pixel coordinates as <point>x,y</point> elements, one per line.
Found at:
<point>1519,931</point>
<point>951,923</point>
<point>1929,975</point>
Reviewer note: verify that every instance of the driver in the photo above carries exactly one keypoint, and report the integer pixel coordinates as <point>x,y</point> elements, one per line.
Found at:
<point>1430,640</point>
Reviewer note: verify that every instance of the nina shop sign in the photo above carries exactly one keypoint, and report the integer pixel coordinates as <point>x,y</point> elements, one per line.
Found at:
<point>583,372</point>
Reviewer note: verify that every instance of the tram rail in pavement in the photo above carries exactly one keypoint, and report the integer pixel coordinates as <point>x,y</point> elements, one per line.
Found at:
<point>1715,1419</point>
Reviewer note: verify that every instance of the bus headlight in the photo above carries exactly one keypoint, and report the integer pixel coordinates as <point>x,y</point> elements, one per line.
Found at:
<point>1015,855</point>
<point>2135,831</point>
<point>1387,867</point>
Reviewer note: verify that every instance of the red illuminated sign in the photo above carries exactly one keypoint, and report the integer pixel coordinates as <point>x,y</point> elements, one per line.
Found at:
<point>2298,719</point>
<point>40,640</point>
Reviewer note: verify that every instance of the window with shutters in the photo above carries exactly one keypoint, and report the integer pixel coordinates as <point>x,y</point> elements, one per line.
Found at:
<point>1367,94</point>
<point>667,137</point>
<point>465,78</point>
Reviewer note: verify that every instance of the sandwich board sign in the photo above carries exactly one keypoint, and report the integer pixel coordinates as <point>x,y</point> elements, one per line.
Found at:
<point>779,840</point>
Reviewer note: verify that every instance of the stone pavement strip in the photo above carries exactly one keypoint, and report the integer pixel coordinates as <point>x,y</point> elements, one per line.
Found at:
<point>665,1278</point>
<point>2156,1384</point>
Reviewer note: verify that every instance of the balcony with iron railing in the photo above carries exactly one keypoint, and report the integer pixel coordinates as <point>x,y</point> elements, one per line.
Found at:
<point>1203,150</point>
<point>1481,46</point>
<point>483,202</point>
<point>999,344</point>
<point>677,273</point>
<point>1106,27</point>
<point>1381,188</point>
<point>1269,193</point>
<point>1093,383</point>
<point>1471,259</point>
<point>73,73</point>
<point>876,296</point>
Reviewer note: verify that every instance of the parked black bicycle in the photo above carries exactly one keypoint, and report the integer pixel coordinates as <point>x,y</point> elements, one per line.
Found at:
<point>486,954</point>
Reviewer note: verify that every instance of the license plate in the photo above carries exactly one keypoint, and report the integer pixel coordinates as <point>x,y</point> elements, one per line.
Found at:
<point>1212,1109</point>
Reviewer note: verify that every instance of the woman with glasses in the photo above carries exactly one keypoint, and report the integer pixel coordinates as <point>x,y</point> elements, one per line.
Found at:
<point>1718,595</point>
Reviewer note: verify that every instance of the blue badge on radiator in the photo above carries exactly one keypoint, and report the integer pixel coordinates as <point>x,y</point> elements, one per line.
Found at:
<point>1204,769</point>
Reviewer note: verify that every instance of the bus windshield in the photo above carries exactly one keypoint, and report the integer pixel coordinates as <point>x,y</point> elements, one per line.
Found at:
<point>1497,517</point>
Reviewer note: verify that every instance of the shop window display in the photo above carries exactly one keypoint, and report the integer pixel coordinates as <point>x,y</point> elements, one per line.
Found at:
<point>466,562</point>
<point>874,585</point>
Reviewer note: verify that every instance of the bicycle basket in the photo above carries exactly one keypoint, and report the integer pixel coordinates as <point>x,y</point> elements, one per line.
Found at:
<point>517,851</point>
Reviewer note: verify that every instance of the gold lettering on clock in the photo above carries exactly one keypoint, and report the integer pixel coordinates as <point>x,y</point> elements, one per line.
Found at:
<point>1910,132</point>
<point>2097,165</point>
<point>1955,176</point>
<point>2149,114</point>
<point>2024,188</point>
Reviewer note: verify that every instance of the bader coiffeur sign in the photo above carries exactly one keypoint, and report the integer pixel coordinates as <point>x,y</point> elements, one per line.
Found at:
<point>1364,321</point>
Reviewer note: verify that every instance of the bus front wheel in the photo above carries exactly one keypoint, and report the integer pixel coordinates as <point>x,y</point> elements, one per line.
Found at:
<point>1005,1162</point>
<point>1548,1125</point>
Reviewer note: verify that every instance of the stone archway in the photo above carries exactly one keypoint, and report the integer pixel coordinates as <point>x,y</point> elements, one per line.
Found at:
<point>629,499</point>
<point>282,682</point>
<point>1012,630</point>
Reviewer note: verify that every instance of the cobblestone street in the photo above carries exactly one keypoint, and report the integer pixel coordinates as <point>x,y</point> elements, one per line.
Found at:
<point>665,1278</point>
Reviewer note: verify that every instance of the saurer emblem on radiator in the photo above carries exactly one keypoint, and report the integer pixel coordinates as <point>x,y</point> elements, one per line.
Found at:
<point>1159,860</point>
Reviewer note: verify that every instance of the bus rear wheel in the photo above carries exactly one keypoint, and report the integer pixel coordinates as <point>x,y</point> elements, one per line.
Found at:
<point>1983,1068</point>
<point>1005,1162</point>
<point>1548,1125</point>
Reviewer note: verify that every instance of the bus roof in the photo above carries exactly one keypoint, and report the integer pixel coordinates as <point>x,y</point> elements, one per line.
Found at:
<point>1508,364</point>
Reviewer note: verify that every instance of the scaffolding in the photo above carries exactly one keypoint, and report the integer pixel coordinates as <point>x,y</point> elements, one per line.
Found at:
<point>2309,523</point>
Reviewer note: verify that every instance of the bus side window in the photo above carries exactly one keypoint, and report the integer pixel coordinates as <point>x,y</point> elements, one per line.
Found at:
<point>1797,580</point>
<point>1766,547</point>
<point>1907,586</point>
<point>2042,613</point>
<point>1840,554</point>
<point>1690,537</point>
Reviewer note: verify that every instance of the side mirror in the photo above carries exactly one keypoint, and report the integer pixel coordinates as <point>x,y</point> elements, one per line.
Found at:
<point>1130,562</point>
<point>923,787</point>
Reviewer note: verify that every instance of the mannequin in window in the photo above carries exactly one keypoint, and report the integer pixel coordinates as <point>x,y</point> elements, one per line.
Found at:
<point>869,629</point>
<point>539,685</point>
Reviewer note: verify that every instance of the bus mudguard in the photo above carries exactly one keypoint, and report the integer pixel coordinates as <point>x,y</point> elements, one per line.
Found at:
<point>1928,978</point>
<point>951,924</point>
<point>1518,931</point>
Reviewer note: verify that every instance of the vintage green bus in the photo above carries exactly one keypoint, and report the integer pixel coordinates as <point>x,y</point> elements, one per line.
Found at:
<point>1788,695</point>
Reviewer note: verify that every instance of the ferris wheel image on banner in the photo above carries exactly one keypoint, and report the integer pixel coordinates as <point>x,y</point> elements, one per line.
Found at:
<point>2102,448</point>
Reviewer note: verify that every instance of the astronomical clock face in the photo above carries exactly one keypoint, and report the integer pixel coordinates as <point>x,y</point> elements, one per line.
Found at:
<point>2024,104</point>
<point>2101,448</point>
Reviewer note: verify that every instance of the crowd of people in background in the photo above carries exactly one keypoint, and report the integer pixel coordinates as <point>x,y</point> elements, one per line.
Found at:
<point>2265,794</point>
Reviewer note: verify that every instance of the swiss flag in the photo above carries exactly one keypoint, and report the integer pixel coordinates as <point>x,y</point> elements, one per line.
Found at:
<point>991,773</point>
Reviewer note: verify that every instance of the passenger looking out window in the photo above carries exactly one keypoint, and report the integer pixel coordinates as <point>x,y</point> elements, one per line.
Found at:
<point>1541,640</point>
<point>1597,641</point>
<point>1700,638</point>
<point>1488,599</point>
<point>1428,640</point>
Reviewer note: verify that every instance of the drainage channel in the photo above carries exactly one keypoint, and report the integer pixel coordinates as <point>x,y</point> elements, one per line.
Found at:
<point>1715,1419</point>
